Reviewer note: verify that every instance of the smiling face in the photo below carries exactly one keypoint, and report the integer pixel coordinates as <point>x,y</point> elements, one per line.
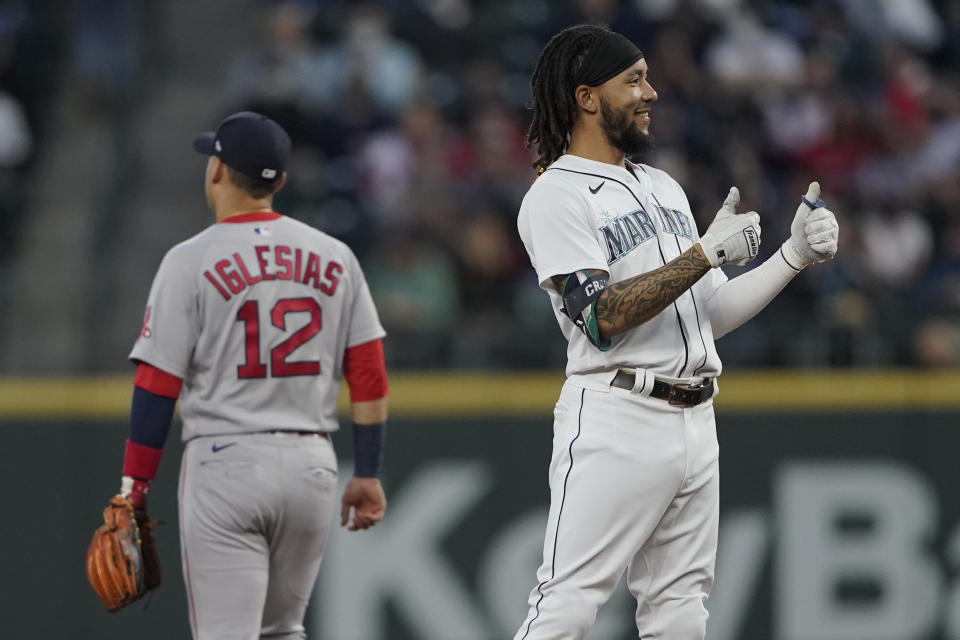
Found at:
<point>625,104</point>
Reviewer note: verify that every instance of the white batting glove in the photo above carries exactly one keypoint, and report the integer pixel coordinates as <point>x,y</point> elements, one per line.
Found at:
<point>732,238</point>
<point>813,233</point>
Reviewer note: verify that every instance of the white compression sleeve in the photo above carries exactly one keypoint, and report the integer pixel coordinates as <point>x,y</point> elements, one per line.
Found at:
<point>741,298</point>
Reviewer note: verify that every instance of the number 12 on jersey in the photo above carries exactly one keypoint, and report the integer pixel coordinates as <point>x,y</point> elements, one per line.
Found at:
<point>249,315</point>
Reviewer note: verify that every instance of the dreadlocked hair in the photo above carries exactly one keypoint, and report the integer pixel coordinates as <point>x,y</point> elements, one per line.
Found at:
<point>554,106</point>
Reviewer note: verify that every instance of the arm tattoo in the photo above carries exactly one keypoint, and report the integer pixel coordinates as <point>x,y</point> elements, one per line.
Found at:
<point>631,302</point>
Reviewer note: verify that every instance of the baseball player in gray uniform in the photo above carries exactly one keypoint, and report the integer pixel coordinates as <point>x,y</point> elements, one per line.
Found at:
<point>253,323</point>
<point>638,295</point>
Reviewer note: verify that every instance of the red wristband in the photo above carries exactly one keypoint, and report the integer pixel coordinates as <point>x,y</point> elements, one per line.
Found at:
<point>141,462</point>
<point>135,491</point>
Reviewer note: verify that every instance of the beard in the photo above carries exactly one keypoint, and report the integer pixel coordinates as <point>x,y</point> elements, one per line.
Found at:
<point>622,132</point>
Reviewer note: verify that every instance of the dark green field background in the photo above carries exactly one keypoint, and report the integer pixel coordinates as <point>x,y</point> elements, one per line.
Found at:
<point>58,475</point>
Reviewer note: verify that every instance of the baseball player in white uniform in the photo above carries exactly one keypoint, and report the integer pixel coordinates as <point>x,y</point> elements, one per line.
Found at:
<point>638,295</point>
<point>253,323</point>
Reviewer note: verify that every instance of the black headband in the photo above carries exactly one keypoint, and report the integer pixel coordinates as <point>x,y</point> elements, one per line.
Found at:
<point>610,55</point>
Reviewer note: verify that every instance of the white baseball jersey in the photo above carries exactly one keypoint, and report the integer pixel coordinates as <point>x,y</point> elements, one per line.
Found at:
<point>254,314</point>
<point>585,214</point>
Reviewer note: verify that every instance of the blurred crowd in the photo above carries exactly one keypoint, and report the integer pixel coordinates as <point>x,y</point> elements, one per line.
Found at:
<point>408,121</point>
<point>22,94</point>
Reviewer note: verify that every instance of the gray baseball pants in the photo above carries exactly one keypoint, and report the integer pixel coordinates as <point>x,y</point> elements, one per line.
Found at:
<point>255,510</point>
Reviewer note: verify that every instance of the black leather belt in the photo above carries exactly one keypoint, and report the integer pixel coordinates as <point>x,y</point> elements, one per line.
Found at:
<point>679,395</point>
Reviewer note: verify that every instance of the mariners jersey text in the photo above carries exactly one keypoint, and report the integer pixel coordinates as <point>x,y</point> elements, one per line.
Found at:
<point>623,220</point>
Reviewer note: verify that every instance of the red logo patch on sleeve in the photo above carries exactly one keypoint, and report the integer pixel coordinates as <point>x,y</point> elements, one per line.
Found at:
<point>145,332</point>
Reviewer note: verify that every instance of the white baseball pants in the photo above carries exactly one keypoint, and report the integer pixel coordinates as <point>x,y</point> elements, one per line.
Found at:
<point>634,487</point>
<point>255,510</point>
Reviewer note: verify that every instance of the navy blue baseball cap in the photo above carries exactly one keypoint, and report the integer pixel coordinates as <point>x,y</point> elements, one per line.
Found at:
<point>249,142</point>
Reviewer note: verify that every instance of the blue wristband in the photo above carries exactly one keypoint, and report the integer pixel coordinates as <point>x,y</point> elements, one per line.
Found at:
<point>368,442</point>
<point>150,417</point>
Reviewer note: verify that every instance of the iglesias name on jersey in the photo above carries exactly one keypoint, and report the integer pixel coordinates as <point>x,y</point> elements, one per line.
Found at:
<point>585,214</point>
<point>254,314</point>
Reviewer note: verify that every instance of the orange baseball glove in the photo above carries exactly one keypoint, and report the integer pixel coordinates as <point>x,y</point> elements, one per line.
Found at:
<point>122,560</point>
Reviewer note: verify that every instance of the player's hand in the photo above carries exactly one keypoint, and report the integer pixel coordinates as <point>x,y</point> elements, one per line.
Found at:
<point>365,496</point>
<point>732,238</point>
<point>813,233</point>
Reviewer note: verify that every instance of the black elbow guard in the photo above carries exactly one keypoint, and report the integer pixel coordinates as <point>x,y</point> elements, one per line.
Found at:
<point>580,294</point>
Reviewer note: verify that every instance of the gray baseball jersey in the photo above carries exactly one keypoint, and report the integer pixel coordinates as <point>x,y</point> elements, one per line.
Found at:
<point>584,214</point>
<point>254,314</point>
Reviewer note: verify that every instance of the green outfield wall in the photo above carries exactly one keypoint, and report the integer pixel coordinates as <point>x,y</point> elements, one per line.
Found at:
<point>840,512</point>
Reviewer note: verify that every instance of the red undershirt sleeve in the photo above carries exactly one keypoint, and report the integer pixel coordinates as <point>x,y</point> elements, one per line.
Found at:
<point>365,371</point>
<point>157,381</point>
